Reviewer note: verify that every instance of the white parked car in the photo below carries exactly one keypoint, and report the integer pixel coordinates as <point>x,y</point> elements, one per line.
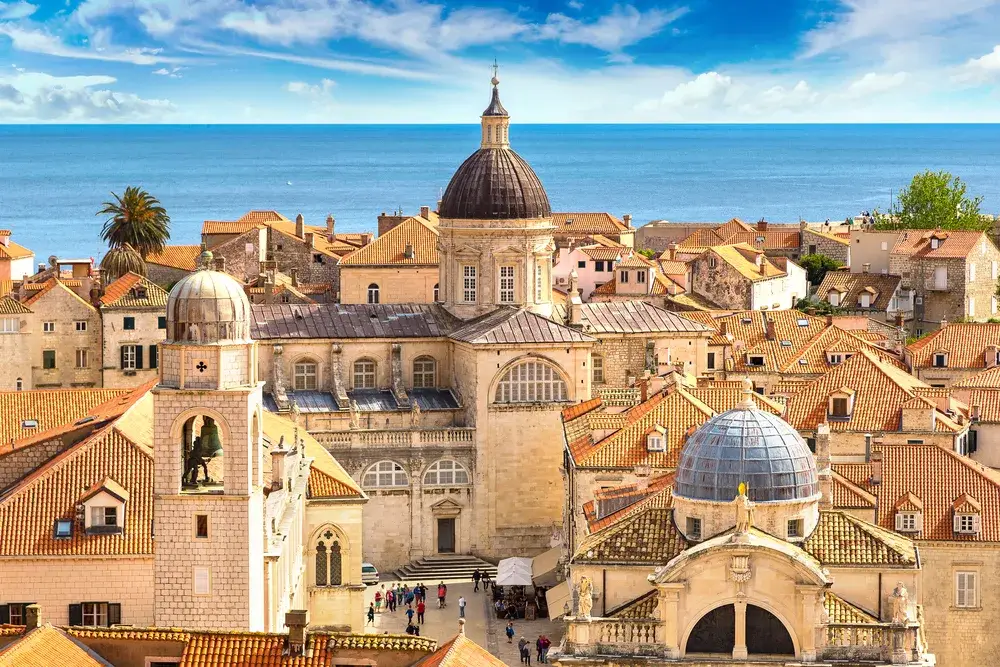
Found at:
<point>369,574</point>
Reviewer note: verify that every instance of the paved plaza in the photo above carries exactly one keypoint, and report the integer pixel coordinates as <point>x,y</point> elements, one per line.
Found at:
<point>481,625</point>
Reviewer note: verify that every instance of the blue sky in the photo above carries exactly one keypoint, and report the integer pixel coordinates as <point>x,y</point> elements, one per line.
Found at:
<point>420,61</point>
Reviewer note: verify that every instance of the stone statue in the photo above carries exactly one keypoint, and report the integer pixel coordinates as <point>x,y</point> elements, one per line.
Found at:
<point>415,412</point>
<point>585,591</point>
<point>355,415</point>
<point>744,511</point>
<point>900,599</point>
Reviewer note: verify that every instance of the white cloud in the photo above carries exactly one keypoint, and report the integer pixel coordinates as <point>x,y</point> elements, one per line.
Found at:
<point>575,4</point>
<point>709,88</point>
<point>323,89</point>
<point>160,18</point>
<point>872,84</point>
<point>39,41</point>
<point>982,69</point>
<point>40,97</point>
<point>623,27</point>
<point>13,11</point>
<point>780,98</point>
<point>172,72</point>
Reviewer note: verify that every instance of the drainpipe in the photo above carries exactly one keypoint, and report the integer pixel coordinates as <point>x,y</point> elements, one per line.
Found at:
<point>604,591</point>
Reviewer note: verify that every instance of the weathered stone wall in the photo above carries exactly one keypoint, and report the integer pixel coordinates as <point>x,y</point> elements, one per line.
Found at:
<point>313,266</point>
<point>243,254</point>
<point>406,284</point>
<point>18,463</point>
<point>164,276</point>
<point>813,243</point>
<point>65,309</point>
<point>722,285</point>
<point>16,353</point>
<point>147,334</point>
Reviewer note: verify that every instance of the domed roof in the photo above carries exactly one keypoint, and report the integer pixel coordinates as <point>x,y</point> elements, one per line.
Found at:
<point>495,183</point>
<point>746,445</point>
<point>208,307</point>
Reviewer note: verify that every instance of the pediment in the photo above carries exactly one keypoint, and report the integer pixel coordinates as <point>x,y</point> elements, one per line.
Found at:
<point>446,508</point>
<point>467,251</point>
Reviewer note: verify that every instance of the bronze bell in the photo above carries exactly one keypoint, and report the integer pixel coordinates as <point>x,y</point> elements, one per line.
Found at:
<point>211,445</point>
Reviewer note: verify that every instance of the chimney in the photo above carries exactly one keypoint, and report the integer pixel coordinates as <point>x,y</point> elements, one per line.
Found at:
<point>762,225</point>
<point>823,466</point>
<point>300,226</point>
<point>32,617</point>
<point>829,320</point>
<point>803,225</point>
<point>330,236</point>
<point>761,264</point>
<point>309,239</point>
<point>425,212</point>
<point>5,238</point>
<point>643,389</point>
<point>671,251</point>
<point>724,328</point>
<point>627,219</point>
<point>944,323</point>
<point>575,302</point>
<point>268,290</point>
<point>54,262</point>
<point>769,328</point>
<point>866,267</point>
<point>974,413</point>
<point>461,626</point>
<point>220,264</point>
<point>875,468</point>
<point>293,273</point>
<point>296,621</point>
<point>408,251</point>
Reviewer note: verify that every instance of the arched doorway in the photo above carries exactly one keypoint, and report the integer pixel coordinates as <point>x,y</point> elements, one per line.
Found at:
<point>766,634</point>
<point>715,632</point>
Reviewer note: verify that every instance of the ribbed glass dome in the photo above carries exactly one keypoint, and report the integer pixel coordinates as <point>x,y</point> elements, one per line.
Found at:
<point>746,445</point>
<point>208,307</point>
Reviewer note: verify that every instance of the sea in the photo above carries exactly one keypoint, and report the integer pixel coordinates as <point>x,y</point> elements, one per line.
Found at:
<point>53,179</point>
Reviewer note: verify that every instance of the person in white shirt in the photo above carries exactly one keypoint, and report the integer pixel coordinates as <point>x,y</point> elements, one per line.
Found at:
<point>461,607</point>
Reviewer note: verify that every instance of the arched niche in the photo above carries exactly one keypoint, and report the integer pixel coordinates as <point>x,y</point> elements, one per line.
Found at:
<point>202,435</point>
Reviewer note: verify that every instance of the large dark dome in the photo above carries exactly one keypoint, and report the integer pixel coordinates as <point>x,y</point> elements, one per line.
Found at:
<point>495,183</point>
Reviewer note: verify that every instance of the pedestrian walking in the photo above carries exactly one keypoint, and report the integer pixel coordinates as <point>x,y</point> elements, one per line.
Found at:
<point>486,580</point>
<point>510,632</point>
<point>546,643</point>
<point>522,647</point>
<point>409,615</point>
<point>421,607</point>
<point>461,607</point>
<point>442,594</point>
<point>371,614</point>
<point>476,576</point>
<point>538,648</point>
<point>378,602</point>
<point>390,600</point>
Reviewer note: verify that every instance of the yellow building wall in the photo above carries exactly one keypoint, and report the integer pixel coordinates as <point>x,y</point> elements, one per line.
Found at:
<point>344,605</point>
<point>404,284</point>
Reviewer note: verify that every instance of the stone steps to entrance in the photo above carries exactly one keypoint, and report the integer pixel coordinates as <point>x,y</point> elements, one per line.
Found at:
<point>444,568</point>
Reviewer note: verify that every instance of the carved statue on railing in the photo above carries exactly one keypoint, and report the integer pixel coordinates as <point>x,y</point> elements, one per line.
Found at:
<point>585,592</point>
<point>355,415</point>
<point>900,601</point>
<point>744,511</point>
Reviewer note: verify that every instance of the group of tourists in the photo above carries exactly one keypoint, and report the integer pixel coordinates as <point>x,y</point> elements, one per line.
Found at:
<point>415,600</point>
<point>542,645</point>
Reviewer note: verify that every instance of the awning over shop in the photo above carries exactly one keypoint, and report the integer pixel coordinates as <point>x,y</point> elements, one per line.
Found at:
<point>514,572</point>
<point>557,598</point>
<point>544,567</point>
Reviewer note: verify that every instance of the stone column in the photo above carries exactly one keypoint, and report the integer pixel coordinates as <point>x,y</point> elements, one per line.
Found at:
<point>667,606</point>
<point>417,510</point>
<point>810,599</point>
<point>740,647</point>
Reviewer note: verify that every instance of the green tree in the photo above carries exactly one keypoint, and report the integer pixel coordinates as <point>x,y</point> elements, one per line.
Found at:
<point>648,253</point>
<point>119,261</point>
<point>816,307</point>
<point>934,200</point>
<point>817,265</point>
<point>138,219</point>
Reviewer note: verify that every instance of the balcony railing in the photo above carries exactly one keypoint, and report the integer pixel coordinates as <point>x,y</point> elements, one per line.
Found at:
<point>881,642</point>
<point>616,636</point>
<point>396,438</point>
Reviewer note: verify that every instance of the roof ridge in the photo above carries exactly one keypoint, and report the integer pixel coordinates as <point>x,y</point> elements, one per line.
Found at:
<point>887,537</point>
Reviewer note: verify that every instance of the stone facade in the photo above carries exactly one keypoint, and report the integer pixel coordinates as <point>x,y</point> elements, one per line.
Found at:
<point>404,284</point>
<point>244,253</point>
<point>20,330</point>
<point>814,243</point>
<point>149,329</point>
<point>313,265</point>
<point>66,313</point>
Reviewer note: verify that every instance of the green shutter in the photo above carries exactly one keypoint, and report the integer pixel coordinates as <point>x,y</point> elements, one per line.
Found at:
<point>122,350</point>
<point>154,356</point>
<point>138,356</point>
<point>114,613</point>
<point>76,614</point>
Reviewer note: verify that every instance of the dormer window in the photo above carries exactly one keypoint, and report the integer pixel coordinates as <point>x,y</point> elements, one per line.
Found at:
<point>104,507</point>
<point>966,515</point>
<point>909,522</point>
<point>138,292</point>
<point>940,360</point>
<point>841,404</point>
<point>935,243</point>
<point>656,441</point>
<point>966,524</point>
<point>755,360</point>
<point>836,358</point>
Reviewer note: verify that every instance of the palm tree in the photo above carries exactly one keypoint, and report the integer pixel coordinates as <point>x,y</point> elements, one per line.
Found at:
<point>119,261</point>
<point>138,219</point>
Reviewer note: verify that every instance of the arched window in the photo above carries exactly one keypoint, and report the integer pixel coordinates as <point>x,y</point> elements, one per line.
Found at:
<point>385,473</point>
<point>446,472</point>
<point>329,562</point>
<point>530,382</point>
<point>305,376</point>
<point>424,373</point>
<point>597,369</point>
<point>373,293</point>
<point>437,293</point>
<point>364,374</point>
<point>19,384</point>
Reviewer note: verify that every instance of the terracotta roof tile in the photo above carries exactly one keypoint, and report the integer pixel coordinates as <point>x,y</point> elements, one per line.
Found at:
<point>11,306</point>
<point>588,224</point>
<point>132,291</point>
<point>604,253</point>
<point>742,258</point>
<point>966,343</point>
<point>642,607</point>
<point>659,494</point>
<point>851,285</point>
<point>382,642</point>
<point>47,646</point>
<point>14,251</point>
<point>812,357</point>
<point>986,379</point>
<point>390,248</point>
<point>770,239</point>
<point>840,610</point>
<point>936,477</point>
<point>750,327</point>
<point>183,257</point>
<point>845,540</point>
<point>460,652</point>
<point>49,408</point>
<point>848,495</point>
<point>323,485</point>
<point>646,537</point>
<point>953,244</point>
<point>262,216</point>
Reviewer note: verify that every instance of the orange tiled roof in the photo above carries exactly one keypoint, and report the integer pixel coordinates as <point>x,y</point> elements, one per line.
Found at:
<point>14,251</point>
<point>47,646</point>
<point>936,477</point>
<point>986,379</point>
<point>262,216</point>
<point>851,285</point>
<point>848,495</point>
<point>635,261</point>
<point>659,494</point>
<point>390,248</point>
<point>55,283</point>
<point>843,539</point>
<point>603,253</point>
<point>49,407</point>
<point>29,509</point>
<point>323,485</point>
<point>702,238</point>
<point>588,223</point>
<point>460,652</point>
<point>773,239</point>
<point>120,293</point>
<point>953,244</point>
<point>11,306</point>
<point>183,257</point>
<point>743,258</point>
<point>647,536</point>
<point>966,343</point>
<point>812,357</point>
<point>841,611</point>
<point>750,327</point>
<point>644,606</point>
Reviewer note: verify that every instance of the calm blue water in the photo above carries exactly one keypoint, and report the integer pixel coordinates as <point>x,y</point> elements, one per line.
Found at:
<point>53,178</point>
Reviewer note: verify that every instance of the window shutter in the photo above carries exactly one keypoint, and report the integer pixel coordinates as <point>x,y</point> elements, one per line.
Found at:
<point>114,613</point>
<point>956,522</point>
<point>918,521</point>
<point>4,614</point>
<point>970,589</point>
<point>154,356</point>
<point>960,589</point>
<point>76,614</point>
<point>121,351</point>
<point>899,521</point>
<point>976,524</point>
<point>138,356</point>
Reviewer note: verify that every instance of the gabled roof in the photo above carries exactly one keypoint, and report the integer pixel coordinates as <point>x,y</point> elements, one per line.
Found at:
<point>750,327</point>
<point>14,251</point>
<point>954,244</point>
<point>506,326</point>
<point>644,606</point>
<point>49,408</point>
<point>390,248</point>
<point>815,355</point>
<point>646,537</point>
<point>936,476</point>
<point>848,495</point>
<point>742,258</point>
<point>47,646</point>
<point>460,652</point>
<point>55,284</point>
<point>337,320</point>
<point>183,257</point>
<point>968,342</point>
<point>841,539</point>
<point>635,261</point>
<point>840,610</point>
<point>124,293</point>
<point>588,224</point>
<point>618,317</point>
<point>986,379</point>
<point>851,285</point>
<point>659,494</point>
<point>11,306</point>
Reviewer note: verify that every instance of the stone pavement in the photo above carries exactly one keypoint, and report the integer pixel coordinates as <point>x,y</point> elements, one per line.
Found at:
<point>481,625</point>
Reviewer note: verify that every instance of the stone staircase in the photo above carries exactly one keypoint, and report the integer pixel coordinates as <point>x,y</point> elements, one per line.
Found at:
<point>433,569</point>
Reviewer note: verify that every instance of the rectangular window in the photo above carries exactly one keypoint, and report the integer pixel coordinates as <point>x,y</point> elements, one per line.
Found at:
<point>940,360</point>
<point>201,526</point>
<point>941,277</point>
<point>81,325</point>
<point>364,374</point>
<point>885,245</point>
<point>839,407</point>
<point>63,529</point>
<point>48,327</point>
<point>305,376</point>
<point>640,276</point>
<point>81,358</point>
<point>711,262</point>
<point>129,357</point>
<point>972,272</point>
<point>128,323</point>
<point>993,270</point>
<point>965,523</point>
<point>623,276</point>
<point>154,356</point>
<point>597,369</point>
<point>15,613</point>
<point>10,325</point>
<point>599,266</point>
<point>711,360</point>
<point>95,614</point>
<point>907,522</point>
<point>506,284</point>
<point>103,516</point>
<point>755,361</point>
<point>202,581</point>
<point>795,528</point>
<point>693,528</point>
<point>967,590</point>
<point>538,283</point>
<point>161,322</point>
<point>469,284</point>
<point>48,359</point>
<point>582,264</point>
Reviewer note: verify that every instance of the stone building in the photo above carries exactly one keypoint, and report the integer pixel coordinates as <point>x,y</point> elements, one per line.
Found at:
<point>822,241</point>
<point>574,228</point>
<point>745,559</point>
<point>16,261</point>
<point>17,331</point>
<point>875,295</point>
<point>740,277</point>
<point>171,264</point>
<point>66,352</point>
<point>956,351</point>
<point>133,324</point>
<point>400,266</point>
<point>594,264</point>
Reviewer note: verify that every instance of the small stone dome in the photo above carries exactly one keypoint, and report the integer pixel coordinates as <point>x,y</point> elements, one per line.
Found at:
<point>208,307</point>
<point>746,445</point>
<point>495,184</point>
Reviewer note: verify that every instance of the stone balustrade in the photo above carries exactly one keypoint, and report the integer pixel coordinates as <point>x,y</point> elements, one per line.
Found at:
<point>395,437</point>
<point>880,642</point>
<point>615,636</point>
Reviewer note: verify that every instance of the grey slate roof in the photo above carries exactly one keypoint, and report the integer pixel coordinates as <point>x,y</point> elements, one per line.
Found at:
<point>368,400</point>
<point>336,320</point>
<point>619,317</point>
<point>507,326</point>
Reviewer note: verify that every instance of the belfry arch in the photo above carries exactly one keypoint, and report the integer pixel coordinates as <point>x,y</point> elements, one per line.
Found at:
<point>728,630</point>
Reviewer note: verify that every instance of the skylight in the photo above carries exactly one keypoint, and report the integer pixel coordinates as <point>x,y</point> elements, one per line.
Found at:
<point>802,322</point>
<point>786,343</point>
<point>29,423</point>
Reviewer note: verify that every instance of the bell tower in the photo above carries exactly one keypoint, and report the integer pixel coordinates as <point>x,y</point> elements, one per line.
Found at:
<point>208,494</point>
